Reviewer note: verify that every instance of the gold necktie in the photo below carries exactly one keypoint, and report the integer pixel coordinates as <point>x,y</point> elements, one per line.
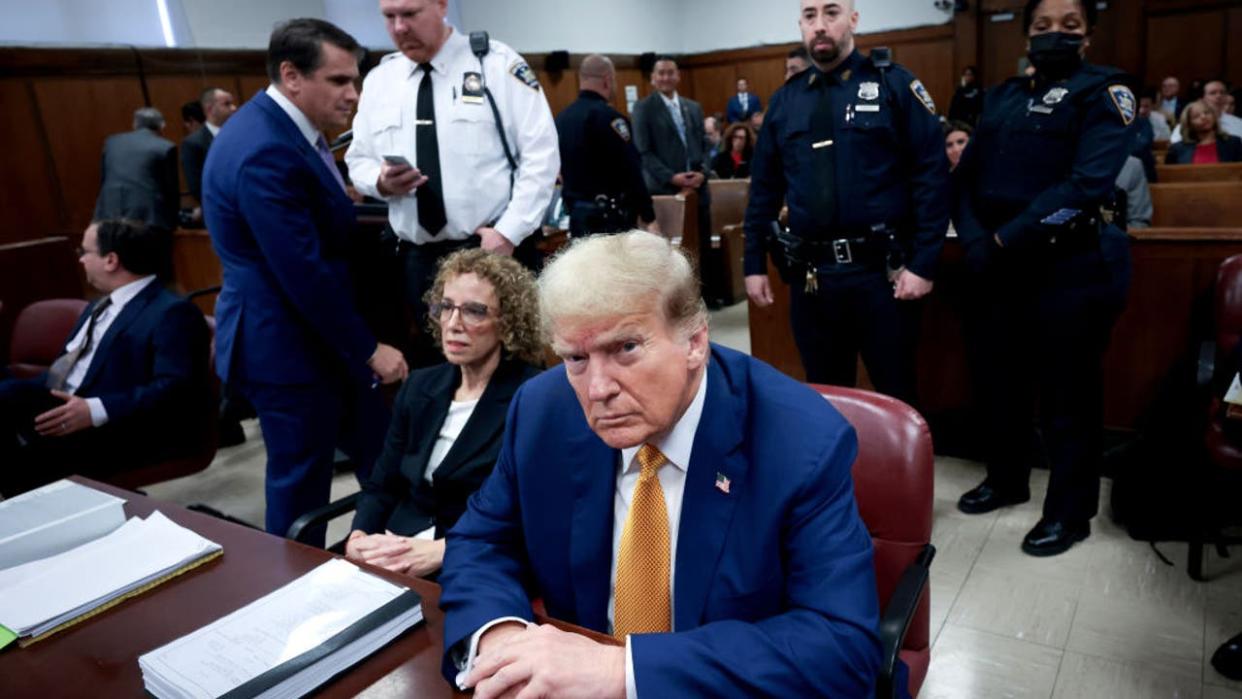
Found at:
<point>643,603</point>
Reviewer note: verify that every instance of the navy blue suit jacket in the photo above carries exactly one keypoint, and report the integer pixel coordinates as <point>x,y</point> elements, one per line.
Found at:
<point>280,224</point>
<point>734,112</point>
<point>150,371</point>
<point>774,590</point>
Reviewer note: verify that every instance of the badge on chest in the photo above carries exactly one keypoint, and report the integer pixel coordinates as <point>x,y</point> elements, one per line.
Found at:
<point>1051,99</point>
<point>472,88</point>
<point>868,93</point>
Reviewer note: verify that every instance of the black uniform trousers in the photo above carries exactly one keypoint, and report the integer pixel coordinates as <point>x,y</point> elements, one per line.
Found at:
<point>1037,331</point>
<point>852,312</point>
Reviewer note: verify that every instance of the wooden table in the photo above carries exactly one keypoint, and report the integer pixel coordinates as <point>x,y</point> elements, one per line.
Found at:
<point>99,657</point>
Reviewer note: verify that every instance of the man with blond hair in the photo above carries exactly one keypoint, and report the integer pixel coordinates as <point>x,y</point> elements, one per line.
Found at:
<point>687,499</point>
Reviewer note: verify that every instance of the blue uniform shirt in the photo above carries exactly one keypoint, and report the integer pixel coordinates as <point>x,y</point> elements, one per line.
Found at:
<point>1044,151</point>
<point>890,162</point>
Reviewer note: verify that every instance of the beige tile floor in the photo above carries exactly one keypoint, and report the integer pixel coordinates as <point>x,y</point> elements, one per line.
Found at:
<point>1107,619</point>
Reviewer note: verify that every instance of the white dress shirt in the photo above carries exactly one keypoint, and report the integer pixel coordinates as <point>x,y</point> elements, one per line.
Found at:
<point>474,171</point>
<point>120,296</point>
<point>676,446</point>
<point>212,128</point>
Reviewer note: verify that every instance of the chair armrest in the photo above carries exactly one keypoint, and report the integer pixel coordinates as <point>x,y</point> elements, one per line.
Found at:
<point>322,515</point>
<point>1207,364</point>
<point>202,292</point>
<point>895,620</point>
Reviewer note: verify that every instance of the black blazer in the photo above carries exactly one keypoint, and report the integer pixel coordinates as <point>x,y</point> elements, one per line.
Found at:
<point>396,496</point>
<point>722,165</point>
<point>193,156</point>
<point>1228,148</point>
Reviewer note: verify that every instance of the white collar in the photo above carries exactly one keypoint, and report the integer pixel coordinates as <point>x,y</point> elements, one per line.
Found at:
<point>455,43</point>
<point>215,130</point>
<point>675,445</point>
<point>126,293</point>
<point>304,124</point>
<point>672,102</point>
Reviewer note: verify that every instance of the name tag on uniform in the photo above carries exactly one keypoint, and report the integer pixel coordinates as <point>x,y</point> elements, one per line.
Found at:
<point>472,88</point>
<point>1040,109</point>
<point>821,144</point>
<point>867,108</point>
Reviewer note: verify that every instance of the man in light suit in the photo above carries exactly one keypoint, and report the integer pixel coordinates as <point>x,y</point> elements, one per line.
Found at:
<point>139,174</point>
<point>742,104</point>
<point>131,387</point>
<point>218,105</point>
<point>668,132</point>
<point>288,336</point>
<point>690,500</point>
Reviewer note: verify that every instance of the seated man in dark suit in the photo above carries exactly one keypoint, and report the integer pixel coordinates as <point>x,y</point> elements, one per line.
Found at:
<point>690,500</point>
<point>132,386</point>
<point>139,174</point>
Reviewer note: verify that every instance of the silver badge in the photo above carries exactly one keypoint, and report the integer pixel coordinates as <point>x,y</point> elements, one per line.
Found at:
<point>1055,95</point>
<point>868,91</point>
<point>473,82</point>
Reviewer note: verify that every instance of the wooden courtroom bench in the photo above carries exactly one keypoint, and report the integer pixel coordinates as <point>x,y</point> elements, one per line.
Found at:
<point>678,216</point>
<point>1196,204</point>
<point>1213,172</point>
<point>729,198</point>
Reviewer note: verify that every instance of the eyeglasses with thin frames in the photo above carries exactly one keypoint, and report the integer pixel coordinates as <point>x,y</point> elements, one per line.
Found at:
<point>471,313</point>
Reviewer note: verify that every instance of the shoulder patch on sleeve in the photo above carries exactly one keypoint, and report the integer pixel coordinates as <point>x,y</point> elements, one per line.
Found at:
<point>524,74</point>
<point>916,86</point>
<point>1124,101</point>
<point>622,128</point>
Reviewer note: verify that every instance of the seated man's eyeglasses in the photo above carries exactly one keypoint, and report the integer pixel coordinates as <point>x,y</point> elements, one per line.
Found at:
<point>472,313</point>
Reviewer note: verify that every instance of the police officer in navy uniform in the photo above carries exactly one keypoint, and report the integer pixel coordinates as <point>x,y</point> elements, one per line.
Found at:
<point>854,146</point>
<point>601,171</point>
<point>1050,272</point>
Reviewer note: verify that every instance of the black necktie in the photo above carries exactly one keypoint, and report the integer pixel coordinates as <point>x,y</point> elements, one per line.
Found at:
<point>824,162</point>
<point>431,193</point>
<point>63,366</point>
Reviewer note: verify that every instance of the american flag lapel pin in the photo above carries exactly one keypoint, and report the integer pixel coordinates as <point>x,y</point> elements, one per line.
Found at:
<point>722,483</point>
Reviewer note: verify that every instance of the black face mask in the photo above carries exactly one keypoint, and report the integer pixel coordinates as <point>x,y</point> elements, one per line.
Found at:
<point>1056,54</point>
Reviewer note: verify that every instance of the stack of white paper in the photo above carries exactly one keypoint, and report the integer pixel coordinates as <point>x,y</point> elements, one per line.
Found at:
<point>53,519</point>
<point>287,643</point>
<point>38,596</point>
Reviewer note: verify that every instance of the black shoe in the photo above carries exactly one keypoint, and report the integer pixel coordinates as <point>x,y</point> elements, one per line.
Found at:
<point>1051,537</point>
<point>1228,658</point>
<point>986,498</point>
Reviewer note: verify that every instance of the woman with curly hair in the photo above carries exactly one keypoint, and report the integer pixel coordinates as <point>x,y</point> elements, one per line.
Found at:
<point>448,419</point>
<point>733,161</point>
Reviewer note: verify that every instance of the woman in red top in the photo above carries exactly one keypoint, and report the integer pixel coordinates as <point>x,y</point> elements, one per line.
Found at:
<point>733,162</point>
<point>1203,140</point>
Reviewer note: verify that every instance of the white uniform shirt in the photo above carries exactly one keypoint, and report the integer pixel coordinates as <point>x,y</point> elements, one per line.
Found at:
<point>473,167</point>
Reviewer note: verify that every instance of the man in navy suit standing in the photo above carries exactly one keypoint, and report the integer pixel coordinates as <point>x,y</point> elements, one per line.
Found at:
<point>131,387</point>
<point>691,501</point>
<point>742,104</point>
<point>288,335</point>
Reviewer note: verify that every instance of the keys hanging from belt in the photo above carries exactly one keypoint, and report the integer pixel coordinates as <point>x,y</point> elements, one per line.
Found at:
<point>812,281</point>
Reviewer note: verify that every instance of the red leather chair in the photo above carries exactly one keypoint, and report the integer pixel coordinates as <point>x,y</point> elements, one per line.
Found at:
<point>1223,449</point>
<point>893,478</point>
<point>39,335</point>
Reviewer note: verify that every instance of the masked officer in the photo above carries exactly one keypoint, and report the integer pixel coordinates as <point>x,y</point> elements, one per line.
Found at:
<point>601,171</point>
<point>462,146</point>
<point>1050,274</point>
<point>855,148</point>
